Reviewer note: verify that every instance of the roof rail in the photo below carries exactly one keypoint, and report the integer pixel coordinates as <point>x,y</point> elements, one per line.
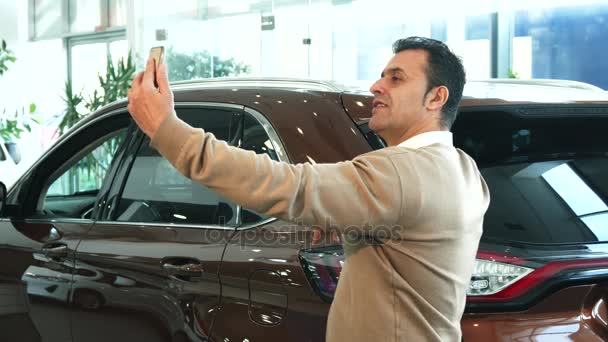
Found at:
<point>544,82</point>
<point>260,82</point>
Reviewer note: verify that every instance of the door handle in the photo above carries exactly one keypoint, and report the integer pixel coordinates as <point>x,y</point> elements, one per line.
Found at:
<point>55,251</point>
<point>185,270</point>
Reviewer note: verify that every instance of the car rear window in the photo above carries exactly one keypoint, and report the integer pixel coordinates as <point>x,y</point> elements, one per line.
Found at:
<point>555,201</point>
<point>546,175</point>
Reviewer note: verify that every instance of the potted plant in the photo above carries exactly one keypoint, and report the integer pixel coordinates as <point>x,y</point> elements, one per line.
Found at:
<point>114,85</point>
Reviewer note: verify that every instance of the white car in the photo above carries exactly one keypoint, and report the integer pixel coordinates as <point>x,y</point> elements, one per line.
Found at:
<point>8,166</point>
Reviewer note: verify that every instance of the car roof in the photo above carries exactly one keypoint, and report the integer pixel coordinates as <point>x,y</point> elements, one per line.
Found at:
<point>514,91</point>
<point>262,83</point>
<point>490,92</point>
<point>482,92</point>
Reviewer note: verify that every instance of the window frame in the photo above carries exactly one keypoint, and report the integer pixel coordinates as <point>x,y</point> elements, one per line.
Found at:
<point>96,38</point>
<point>107,215</point>
<point>112,216</point>
<point>28,193</point>
<point>105,20</point>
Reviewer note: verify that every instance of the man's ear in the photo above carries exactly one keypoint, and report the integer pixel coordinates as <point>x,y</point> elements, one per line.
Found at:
<point>436,98</point>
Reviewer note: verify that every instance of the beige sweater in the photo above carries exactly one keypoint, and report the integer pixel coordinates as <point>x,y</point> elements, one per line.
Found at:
<point>409,285</point>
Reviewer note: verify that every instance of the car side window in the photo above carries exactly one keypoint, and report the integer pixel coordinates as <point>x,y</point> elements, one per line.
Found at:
<point>73,193</point>
<point>255,139</point>
<point>156,192</point>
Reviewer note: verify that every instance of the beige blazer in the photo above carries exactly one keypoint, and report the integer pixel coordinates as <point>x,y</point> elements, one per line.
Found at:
<point>419,215</point>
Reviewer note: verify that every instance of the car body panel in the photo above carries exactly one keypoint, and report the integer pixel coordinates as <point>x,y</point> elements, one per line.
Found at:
<point>136,289</point>
<point>558,317</point>
<point>254,287</point>
<point>28,271</point>
<point>270,247</point>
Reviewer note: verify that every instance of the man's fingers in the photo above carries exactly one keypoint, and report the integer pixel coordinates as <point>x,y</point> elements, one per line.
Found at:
<point>162,79</point>
<point>149,73</point>
<point>137,80</point>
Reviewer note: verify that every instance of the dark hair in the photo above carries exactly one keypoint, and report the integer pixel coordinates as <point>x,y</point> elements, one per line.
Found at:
<point>444,68</point>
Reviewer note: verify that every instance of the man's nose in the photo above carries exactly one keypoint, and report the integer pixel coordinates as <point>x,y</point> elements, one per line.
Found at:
<point>377,88</point>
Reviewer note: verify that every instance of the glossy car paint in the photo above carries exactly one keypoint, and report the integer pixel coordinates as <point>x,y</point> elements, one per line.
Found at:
<point>252,286</point>
<point>29,261</point>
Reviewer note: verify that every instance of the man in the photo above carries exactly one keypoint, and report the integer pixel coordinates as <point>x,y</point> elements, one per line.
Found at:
<point>409,285</point>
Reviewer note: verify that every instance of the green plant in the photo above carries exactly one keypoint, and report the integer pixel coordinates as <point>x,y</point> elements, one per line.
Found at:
<point>6,56</point>
<point>21,121</point>
<point>198,65</point>
<point>512,74</point>
<point>112,86</point>
<point>12,127</point>
<point>70,115</point>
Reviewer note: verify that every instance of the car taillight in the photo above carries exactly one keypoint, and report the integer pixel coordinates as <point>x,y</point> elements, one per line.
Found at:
<point>496,277</point>
<point>322,267</point>
<point>503,278</point>
<point>490,277</point>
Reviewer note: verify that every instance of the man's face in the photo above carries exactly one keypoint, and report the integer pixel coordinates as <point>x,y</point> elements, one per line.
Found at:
<point>399,96</point>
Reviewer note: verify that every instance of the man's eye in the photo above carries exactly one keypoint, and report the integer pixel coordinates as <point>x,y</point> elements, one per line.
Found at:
<point>395,78</point>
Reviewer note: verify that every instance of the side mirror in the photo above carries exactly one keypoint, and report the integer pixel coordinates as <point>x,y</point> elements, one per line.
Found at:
<point>2,197</point>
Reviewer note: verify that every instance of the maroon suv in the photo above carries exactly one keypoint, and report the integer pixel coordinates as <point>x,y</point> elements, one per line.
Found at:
<point>102,240</point>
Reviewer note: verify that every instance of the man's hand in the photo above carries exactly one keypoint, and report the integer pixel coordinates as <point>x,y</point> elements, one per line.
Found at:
<point>150,106</point>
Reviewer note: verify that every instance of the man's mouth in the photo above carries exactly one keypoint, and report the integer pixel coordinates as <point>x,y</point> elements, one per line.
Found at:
<point>378,104</point>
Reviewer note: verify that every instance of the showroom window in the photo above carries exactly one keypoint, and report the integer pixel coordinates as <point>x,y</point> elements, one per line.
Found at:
<point>56,19</point>
<point>93,30</point>
<point>88,56</point>
<point>562,43</point>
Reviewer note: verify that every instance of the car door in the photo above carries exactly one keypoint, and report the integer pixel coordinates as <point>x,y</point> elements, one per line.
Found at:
<point>48,212</point>
<point>150,264</point>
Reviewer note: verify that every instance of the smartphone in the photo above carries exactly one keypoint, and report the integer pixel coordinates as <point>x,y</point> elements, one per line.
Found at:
<point>158,54</point>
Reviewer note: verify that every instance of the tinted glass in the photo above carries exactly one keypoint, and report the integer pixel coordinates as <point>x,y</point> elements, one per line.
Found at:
<point>374,140</point>
<point>255,139</point>
<point>72,194</point>
<point>542,133</point>
<point>545,170</point>
<point>558,201</point>
<point>89,172</point>
<point>156,192</point>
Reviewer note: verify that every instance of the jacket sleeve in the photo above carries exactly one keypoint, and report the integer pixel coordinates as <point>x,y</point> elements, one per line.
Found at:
<point>364,193</point>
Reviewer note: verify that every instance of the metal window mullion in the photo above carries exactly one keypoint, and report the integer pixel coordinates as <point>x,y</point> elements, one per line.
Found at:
<point>65,15</point>
<point>32,20</point>
<point>501,46</point>
<point>68,44</point>
<point>104,13</point>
